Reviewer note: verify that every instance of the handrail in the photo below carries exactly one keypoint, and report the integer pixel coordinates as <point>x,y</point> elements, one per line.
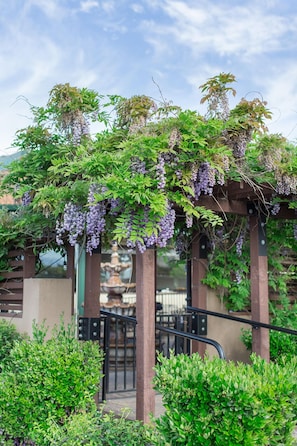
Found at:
<point>184,334</point>
<point>107,316</point>
<point>118,316</point>
<point>254,324</point>
<point>173,331</point>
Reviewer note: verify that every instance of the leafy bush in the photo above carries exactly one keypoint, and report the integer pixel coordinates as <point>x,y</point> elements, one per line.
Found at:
<point>8,336</point>
<point>281,344</point>
<point>46,381</point>
<point>97,428</point>
<point>214,402</point>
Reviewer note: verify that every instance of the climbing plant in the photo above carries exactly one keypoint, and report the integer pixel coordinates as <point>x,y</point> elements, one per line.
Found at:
<point>228,272</point>
<point>139,179</point>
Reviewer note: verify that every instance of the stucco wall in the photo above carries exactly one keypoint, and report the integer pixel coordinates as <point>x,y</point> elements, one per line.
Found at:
<point>226,332</point>
<point>45,300</point>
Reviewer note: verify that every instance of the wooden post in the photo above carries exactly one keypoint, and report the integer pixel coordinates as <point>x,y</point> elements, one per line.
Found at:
<point>92,285</point>
<point>259,285</point>
<point>199,291</point>
<point>29,263</point>
<point>145,333</point>
<point>70,272</point>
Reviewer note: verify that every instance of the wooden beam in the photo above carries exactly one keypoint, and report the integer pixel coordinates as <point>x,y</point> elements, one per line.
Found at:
<point>145,333</point>
<point>92,285</point>
<point>285,213</point>
<point>240,190</point>
<point>223,205</point>
<point>259,285</point>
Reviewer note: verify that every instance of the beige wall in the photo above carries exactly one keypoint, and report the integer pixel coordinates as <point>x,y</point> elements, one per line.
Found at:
<point>45,300</point>
<point>226,332</point>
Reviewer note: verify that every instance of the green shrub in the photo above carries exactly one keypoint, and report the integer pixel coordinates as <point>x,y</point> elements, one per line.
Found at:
<point>46,381</point>
<point>97,428</point>
<point>8,336</point>
<point>214,402</point>
<point>281,344</point>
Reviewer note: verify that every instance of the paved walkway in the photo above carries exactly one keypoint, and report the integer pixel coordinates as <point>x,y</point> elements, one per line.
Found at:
<point>116,402</point>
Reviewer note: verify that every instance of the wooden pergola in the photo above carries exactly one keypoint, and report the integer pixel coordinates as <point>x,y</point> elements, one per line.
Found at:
<point>235,198</point>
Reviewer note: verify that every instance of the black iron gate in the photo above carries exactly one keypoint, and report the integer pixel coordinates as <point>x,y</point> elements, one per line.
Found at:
<point>117,336</point>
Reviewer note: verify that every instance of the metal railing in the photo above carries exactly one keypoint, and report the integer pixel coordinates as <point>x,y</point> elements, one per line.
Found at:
<point>118,334</point>
<point>254,324</point>
<point>118,341</point>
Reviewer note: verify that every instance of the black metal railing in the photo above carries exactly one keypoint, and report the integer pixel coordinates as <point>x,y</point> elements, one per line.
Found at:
<point>118,335</point>
<point>254,324</point>
<point>174,333</point>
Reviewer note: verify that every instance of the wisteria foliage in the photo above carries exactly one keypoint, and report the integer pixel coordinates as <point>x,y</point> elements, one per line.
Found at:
<point>140,180</point>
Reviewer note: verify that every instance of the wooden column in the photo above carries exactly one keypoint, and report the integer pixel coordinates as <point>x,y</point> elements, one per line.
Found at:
<point>70,272</point>
<point>259,285</point>
<point>199,291</point>
<point>145,333</point>
<point>29,263</point>
<point>92,285</point>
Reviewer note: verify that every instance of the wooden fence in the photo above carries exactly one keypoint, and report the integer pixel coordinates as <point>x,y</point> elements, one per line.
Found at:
<point>11,285</point>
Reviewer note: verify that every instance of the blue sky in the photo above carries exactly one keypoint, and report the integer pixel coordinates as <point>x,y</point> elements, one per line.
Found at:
<point>130,47</point>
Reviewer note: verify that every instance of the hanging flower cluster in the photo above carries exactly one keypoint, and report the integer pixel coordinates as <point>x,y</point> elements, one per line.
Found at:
<point>151,166</point>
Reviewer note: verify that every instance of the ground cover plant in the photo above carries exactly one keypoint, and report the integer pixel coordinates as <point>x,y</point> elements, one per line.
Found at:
<point>98,428</point>
<point>215,402</point>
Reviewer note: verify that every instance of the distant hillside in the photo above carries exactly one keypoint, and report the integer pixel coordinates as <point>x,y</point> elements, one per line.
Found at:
<point>5,160</point>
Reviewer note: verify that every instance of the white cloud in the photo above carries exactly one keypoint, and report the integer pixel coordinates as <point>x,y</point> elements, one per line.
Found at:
<point>119,46</point>
<point>137,8</point>
<point>242,30</point>
<point>108,6</point>
<point>280,90</point>
<point>88,5</point>
<point>51,8</point>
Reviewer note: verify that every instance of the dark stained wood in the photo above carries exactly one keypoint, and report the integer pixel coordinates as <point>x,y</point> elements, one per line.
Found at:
<point>11,297</point>
<point>11,307</point>
<point>223,205</point>
<point>16,253</point>
<point>12,274</point>
<point>92,285</point>
<point>18,263</point>
<point>29,263</point>
<point>145,333</point>
<point>199,291</point>
<point>248,192</point>
<point>70,272</point>
<point>259,289</point>
<point>12,285</point>
<point>285,213</point>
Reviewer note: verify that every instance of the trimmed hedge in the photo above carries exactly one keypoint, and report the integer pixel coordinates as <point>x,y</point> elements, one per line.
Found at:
<point>45,382</point>
<point>214,402</point>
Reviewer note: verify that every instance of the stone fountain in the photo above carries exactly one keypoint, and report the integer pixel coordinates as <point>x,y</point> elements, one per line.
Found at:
<point>114,287</point>
<point>121,334</point>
